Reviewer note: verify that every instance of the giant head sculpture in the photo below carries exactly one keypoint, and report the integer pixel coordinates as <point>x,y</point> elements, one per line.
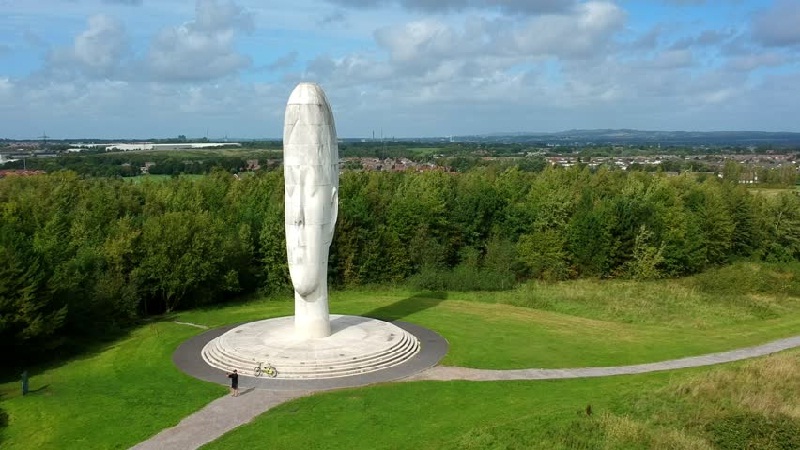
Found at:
<point>311,171</point>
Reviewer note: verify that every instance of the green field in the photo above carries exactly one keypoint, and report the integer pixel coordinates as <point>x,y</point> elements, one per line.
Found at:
<point>123,392</point>
<point>425,151</point>
<point>769,192</point>
<point>203,153</point>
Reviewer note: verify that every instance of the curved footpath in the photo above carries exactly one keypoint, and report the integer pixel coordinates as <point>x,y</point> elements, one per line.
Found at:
<point>259,395</point>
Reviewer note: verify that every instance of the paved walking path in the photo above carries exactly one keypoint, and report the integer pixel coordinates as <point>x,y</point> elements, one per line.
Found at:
<point>217,418</point>
<point>227,413</point>
<point>441,373</point>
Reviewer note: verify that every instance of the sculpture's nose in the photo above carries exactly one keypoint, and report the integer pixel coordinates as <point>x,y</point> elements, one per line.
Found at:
<point>301,241</point>
<point>298,221</point>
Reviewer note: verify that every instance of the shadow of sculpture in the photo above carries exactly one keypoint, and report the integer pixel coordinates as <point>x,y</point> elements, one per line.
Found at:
<point>403,308</point>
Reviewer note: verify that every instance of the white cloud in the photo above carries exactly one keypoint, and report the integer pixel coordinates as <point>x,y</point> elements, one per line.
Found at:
<point>672,59</point>
<point>778,25</point>
<point>426,39</point>
<point>126,2</point>
<point>583,33</point>
<point>359,79</point>
<point>475,68</point>
<point>285,61</point>
<point>96,51</point>
<point>718,95</point>
<point>117,109</point>
<point>756,61</point>
<point>199,50</point>
<point>509,6</point>
<point>6,92</point>
<point>202,49</point>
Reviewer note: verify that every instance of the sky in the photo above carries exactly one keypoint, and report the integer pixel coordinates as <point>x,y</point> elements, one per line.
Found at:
<point>140,69</point>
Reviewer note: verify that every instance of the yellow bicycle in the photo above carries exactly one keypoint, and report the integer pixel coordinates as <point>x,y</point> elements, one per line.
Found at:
<point>265,368</point>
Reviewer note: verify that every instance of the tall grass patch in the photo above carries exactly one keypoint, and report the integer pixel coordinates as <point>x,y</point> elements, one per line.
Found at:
<point>748,405</point>
<point>748,278</point>
<point>760,386</point>
<point>732,295</point>
<point>462,278</point>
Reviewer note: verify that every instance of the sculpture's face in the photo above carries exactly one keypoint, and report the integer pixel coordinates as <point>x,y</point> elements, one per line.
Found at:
<point>311,157</point>
<point>310,217</point>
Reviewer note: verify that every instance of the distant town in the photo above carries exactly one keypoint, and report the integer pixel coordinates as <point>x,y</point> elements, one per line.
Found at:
<point>752,157</point>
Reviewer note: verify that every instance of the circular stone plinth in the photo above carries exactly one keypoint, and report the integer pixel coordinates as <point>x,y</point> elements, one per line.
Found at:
<point>357,345</point>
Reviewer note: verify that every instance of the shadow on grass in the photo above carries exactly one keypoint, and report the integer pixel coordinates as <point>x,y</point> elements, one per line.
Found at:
<point>280,296</point>
<point>64,350</point>
<point>75,348</point>
<point>403,308</point>
<point>90,342</point>
<point>37,390</point>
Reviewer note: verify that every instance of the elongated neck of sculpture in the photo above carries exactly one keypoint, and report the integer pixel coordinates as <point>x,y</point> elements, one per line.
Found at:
<point>311,315</point>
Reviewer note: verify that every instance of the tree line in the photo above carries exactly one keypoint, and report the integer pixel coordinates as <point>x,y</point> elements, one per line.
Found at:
<point>129,164</point>
<point>82,256</point>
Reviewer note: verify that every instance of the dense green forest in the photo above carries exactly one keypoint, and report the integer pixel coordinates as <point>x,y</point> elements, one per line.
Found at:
<point>82,256</point>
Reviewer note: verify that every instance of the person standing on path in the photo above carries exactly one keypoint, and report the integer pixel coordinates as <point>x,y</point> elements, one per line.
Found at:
<point>234,376</point>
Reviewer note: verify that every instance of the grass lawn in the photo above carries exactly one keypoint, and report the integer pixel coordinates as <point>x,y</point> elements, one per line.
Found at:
<point>741,405</point>
<point>111,398</point>
<point>433,415</point>
<point>502,336</point>
<point>126,391</point>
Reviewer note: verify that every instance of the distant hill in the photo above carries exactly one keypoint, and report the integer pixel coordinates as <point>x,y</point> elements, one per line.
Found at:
<point>627,136</point>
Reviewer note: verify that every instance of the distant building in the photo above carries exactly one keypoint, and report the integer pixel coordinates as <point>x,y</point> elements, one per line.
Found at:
<point>4,159</point>
<point>146,168</point>
<point>140,146</point>
<point>252,165</point>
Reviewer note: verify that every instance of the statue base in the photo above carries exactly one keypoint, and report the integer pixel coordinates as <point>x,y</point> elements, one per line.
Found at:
<point>357,345</point>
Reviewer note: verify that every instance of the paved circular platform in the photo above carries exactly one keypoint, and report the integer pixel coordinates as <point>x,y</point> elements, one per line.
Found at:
<point>432,348</point>
<point>357,345</point>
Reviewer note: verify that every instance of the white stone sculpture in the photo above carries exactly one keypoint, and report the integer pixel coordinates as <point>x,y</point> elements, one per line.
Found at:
<point>312,344</point>
<point>311,170</point>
